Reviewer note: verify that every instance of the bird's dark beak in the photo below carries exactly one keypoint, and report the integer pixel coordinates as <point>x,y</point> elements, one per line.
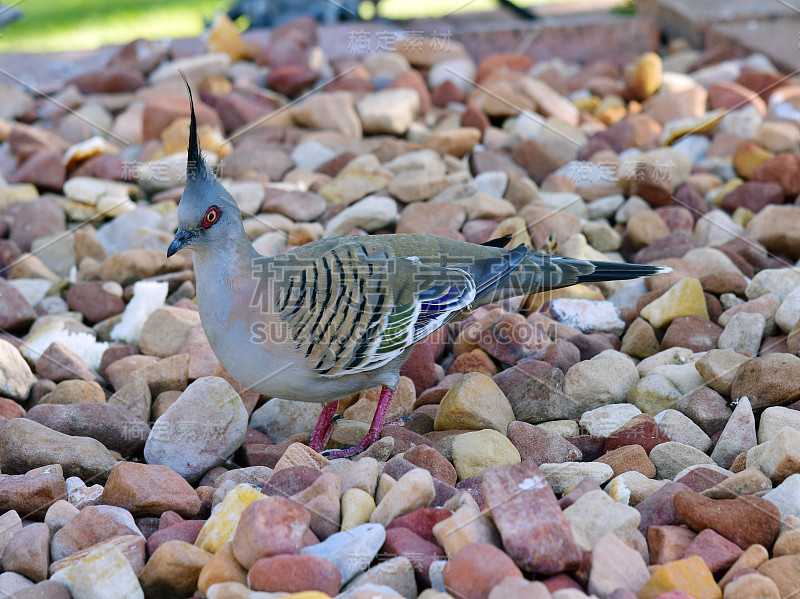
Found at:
<point>182,237</point>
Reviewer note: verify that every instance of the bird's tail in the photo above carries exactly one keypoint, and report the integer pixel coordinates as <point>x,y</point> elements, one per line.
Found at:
<point>558,271</point>
<point>617,271</point>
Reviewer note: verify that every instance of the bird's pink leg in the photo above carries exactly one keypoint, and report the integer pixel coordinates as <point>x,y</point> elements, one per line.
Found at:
<point>325,426</point>
<point>387,395</point>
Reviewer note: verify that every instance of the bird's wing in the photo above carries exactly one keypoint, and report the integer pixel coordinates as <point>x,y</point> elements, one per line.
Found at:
<point>356,306</point>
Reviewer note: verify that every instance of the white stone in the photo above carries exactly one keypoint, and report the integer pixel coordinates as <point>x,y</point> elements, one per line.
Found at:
<point>396,573</point>
<point>595,514</point>
<point>83,344</point>
<point>605,379</point>
<point>773,419</point>
<point>681,429</point>
<point>604,207</point>
<point>351,551</point>
<point>196,68</point>
<point>694,146</point>
<point>279,419</point>
<point>270,243</point>
<point>549,101</point>
<point>169,171</point>
<point>588,316</point>
<point>371,213</point>
<point>743,332</point>
<point>309,155</point>
<point>781,282</point>
<point>673,355</point>
<point>15,101</point>
<point>786,496</point>
<point>389,111</point>
<point>492,182</point>
<point>685,377</point>
<point>427,160</point>
<point>671,458</point>
<point>632,205</point>
<point>603,421</point>
<point>568,474</point>
<point>385,66</point>
<point>119,234</point>
<point>57,252</point>
<point>564,201</point>
<point>148,296</point>
<point>583,173</point>
<point>627,293</point>
<point>713,256</point>
<point>460,71</point>
<point>744,122</point>
<point>104,573</point>
<point>249,195</point>
<point>716,227</point>
<point>33,290</point>
<point>562,428</point>
<point>11,582</point>
<point>726,71</point>
<point>89,190</point>
<point>205,425</point>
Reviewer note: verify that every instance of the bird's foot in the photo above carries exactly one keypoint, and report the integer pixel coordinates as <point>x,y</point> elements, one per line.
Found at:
<point>387,395</point>
<point>348,452</point>
<point>398,421</point>
<point>325,425</point>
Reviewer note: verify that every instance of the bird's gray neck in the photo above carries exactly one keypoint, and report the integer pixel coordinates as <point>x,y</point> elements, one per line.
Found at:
<point>225,269</point>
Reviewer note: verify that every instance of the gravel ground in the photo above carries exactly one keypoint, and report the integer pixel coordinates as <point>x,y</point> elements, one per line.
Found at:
<point>620,440</point>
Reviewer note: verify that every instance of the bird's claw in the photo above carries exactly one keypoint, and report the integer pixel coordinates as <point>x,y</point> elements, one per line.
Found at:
<point>329,452</point>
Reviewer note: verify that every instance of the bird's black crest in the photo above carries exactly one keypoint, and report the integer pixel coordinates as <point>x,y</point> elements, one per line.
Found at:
<point>194,163</point>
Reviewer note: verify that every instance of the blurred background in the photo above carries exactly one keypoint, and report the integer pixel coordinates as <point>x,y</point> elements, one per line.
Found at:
<point>66,25</point>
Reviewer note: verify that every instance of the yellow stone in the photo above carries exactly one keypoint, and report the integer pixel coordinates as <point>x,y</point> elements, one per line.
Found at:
<point>747,156</point>
<point>175,136</point>
<point>222,567</point>
<point>357,507</point>
<point>477,452</point>
<point>362,176</point>
<point>725,189</point>
<point>474,402</point>
<point>588,105</point>
<point>224,37</point>
<point>684,298</point>
<point>701,125</point>
<point>222,523</point>
<point>647,76</point>
<point>611,110</point>
<point>516,227</point>
<point>456,142</point>
<point>690,576</point>
<point>741,216</point>
<point>308,595</point>
<point>19,193</point>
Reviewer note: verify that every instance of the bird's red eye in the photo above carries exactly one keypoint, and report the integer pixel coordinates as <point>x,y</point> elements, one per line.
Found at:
<point>212,216</point>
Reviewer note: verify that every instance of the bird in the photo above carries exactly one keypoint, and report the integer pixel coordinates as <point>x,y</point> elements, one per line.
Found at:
<point>341,315</point>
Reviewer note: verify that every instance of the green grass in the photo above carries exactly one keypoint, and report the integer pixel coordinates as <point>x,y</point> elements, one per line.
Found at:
<point>57,25</point>
<point>50,25</point>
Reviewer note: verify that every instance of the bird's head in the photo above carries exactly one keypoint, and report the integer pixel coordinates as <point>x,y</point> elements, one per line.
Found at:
<point>208,216</point>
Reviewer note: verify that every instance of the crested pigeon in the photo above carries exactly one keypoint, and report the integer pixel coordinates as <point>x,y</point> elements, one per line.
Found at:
<point>341,315</point>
